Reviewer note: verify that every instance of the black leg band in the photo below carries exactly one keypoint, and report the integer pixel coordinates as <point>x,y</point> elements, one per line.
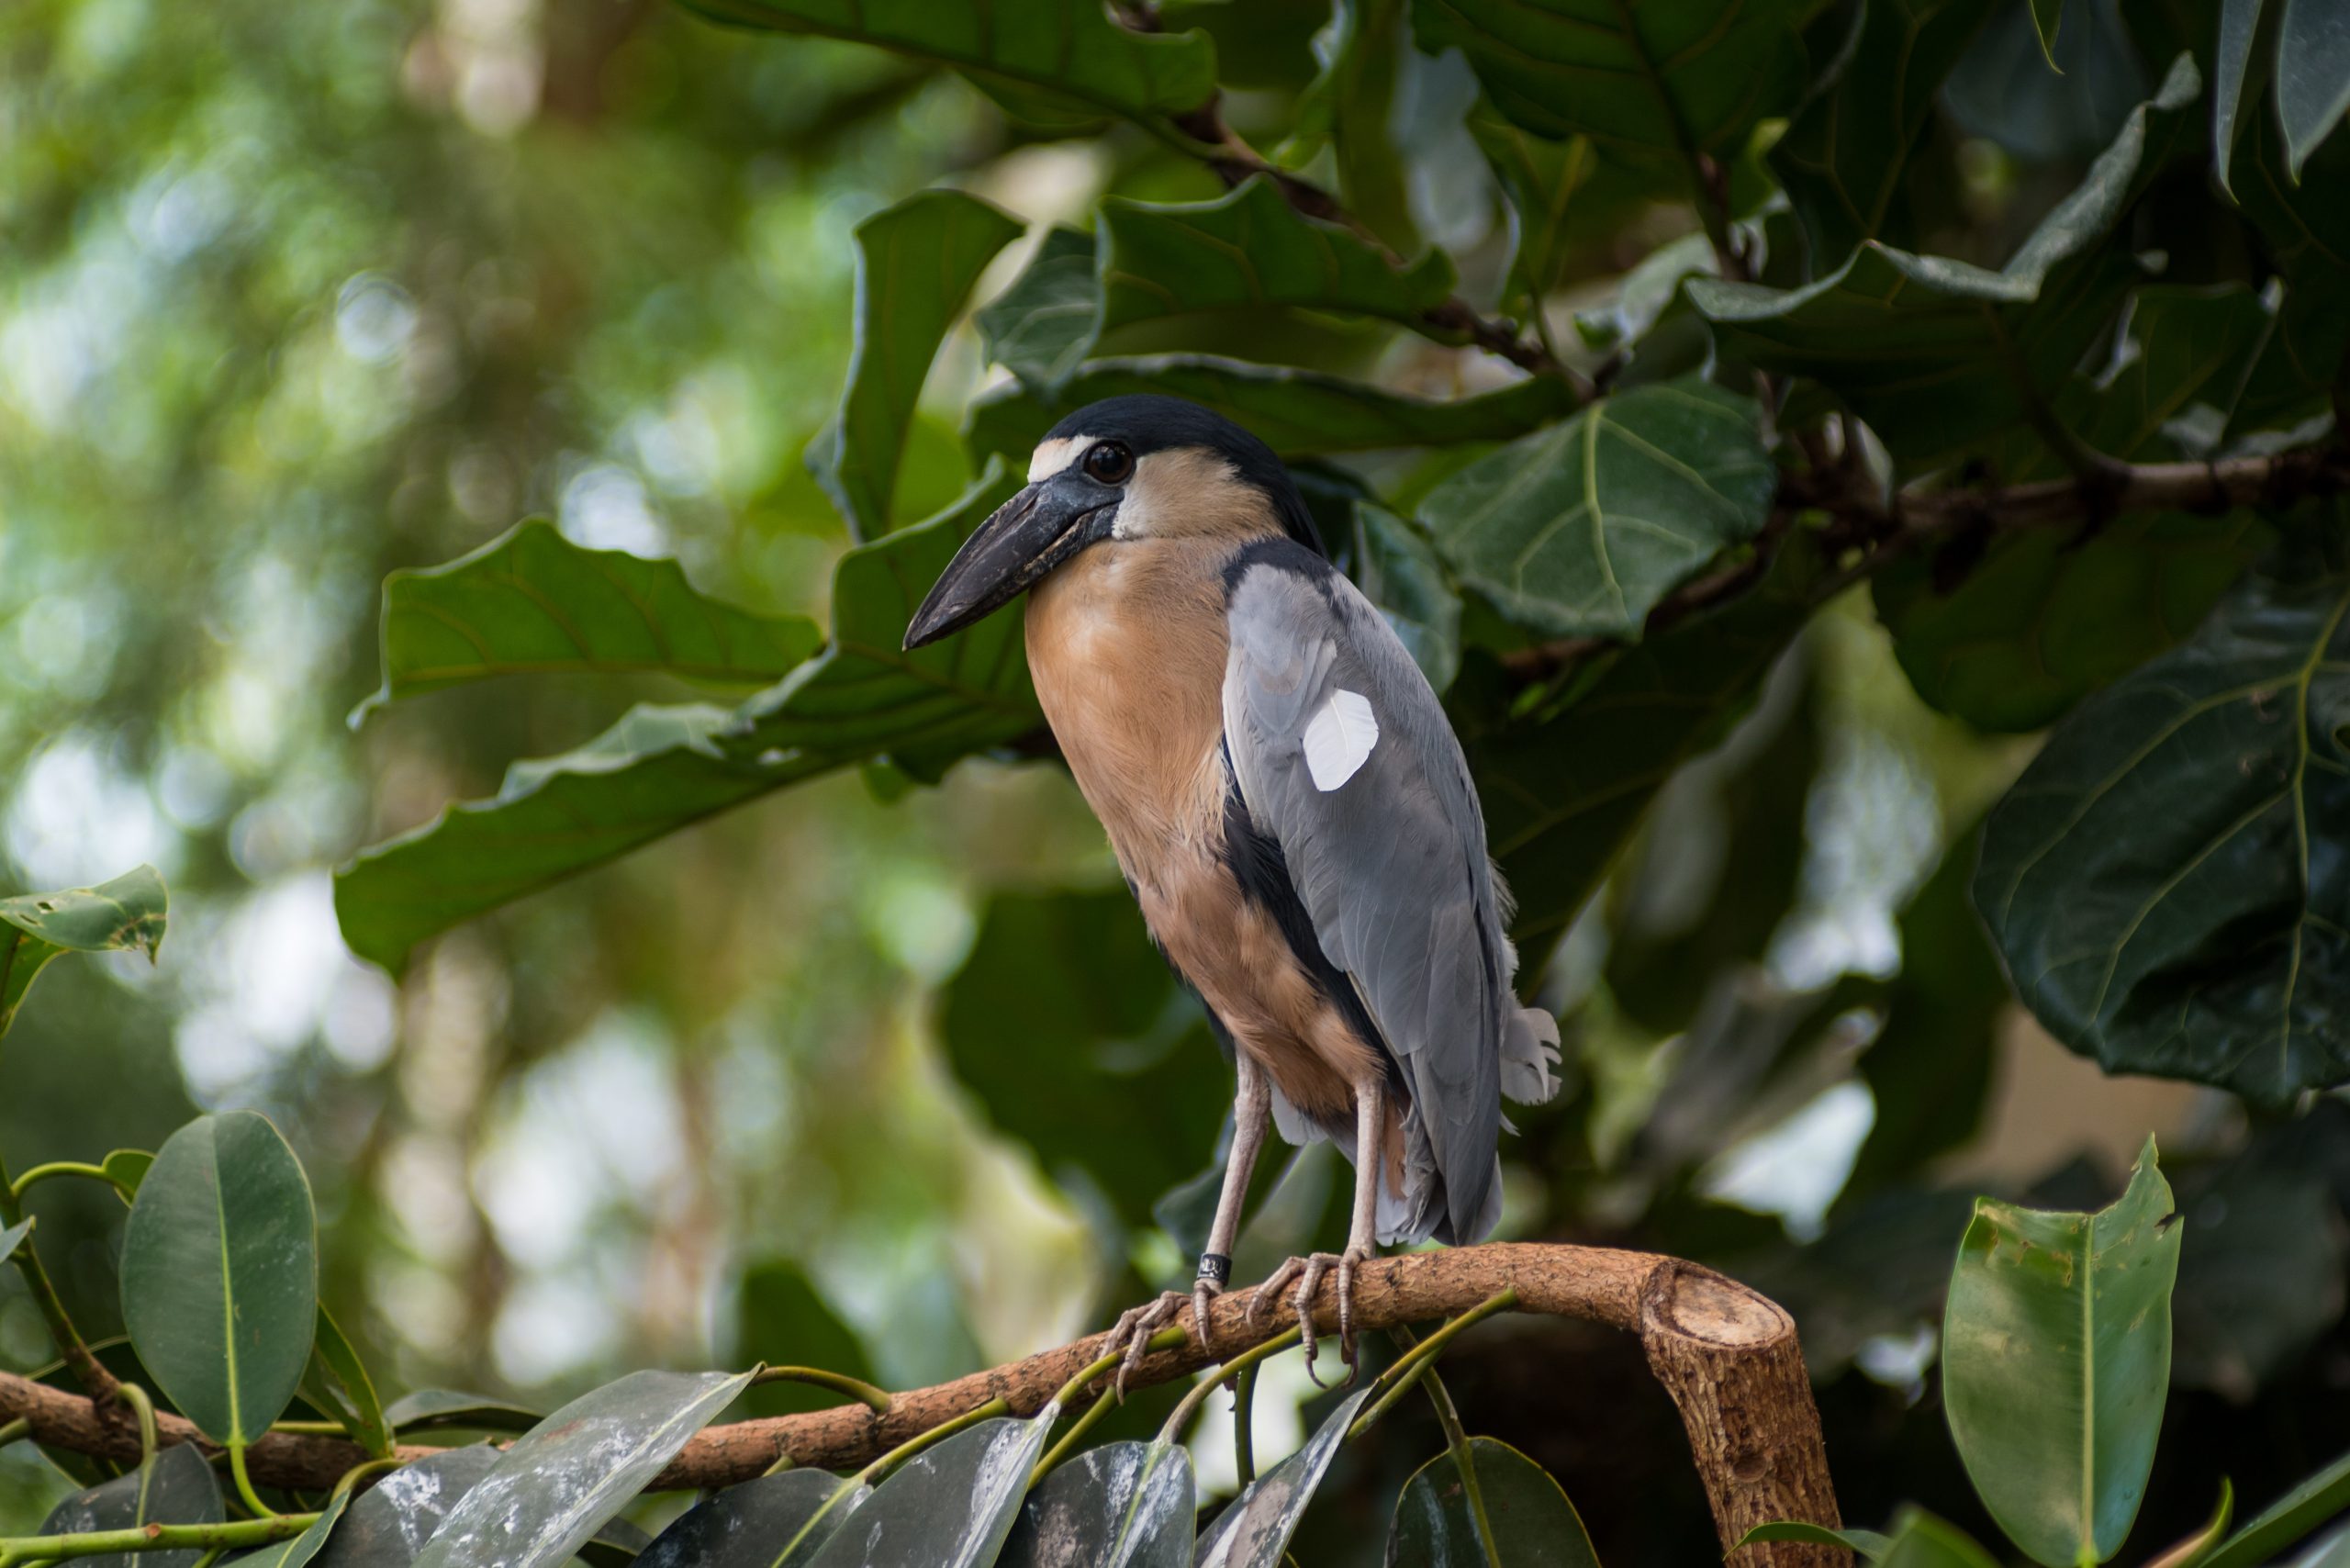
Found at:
<point>1216,1266</point>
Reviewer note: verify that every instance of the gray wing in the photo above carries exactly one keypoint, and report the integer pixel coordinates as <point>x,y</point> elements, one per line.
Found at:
<point>1385,848</point>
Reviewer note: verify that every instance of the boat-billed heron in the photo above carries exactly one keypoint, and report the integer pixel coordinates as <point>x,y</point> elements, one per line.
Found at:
<point>1291,810</point>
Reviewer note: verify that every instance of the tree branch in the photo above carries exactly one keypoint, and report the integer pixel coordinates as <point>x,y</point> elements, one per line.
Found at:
<point>1884,532</point>
<point>1727,1356</point>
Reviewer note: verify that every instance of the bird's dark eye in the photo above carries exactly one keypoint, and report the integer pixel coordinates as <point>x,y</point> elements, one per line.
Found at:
<point>1109,462</point>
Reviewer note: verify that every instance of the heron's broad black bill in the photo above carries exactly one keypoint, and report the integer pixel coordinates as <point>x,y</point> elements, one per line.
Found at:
<point>1029,535</point>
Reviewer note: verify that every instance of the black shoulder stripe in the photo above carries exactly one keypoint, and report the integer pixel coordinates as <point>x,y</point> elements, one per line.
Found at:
<point>1282,554</point>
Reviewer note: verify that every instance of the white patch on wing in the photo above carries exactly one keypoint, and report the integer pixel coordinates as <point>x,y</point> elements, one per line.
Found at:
<point>1052,456</point>
<point>1338,739</point>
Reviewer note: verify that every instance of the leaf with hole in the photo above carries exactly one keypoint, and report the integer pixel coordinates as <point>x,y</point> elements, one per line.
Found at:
<point>1254,1530</point>
<point>124,915</point>
<point>178,1490</point>
<point>547,1496</point>
<point>916,264</point>
<point>221,1273</point>
<point>776,1521</point>
<point>1513,1513</point>
<point>950,1506</point>
<point>1580,529</point>
<point>1127,1505</point>
<point>2056,1362</point>
<point>532,603</point>
<point>2208,939</point>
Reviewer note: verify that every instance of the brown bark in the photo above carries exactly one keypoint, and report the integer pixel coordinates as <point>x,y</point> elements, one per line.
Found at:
<point>1728,1356</point>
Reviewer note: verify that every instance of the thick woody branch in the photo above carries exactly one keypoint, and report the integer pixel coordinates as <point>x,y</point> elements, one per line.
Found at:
<point>1727,1356</point>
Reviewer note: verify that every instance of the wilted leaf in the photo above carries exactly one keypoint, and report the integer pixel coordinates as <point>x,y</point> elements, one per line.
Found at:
<point>1290,410</point>
<point>532,603</point>
<point>545,1496</point>
<point>441,1409</point>
<point>1119,1505</point>
<point>179,1490</point>
<point>1655,84</point>
<point>916,263</point>
<point>1397,570</point>
<point>1579,529</point>
<point>1066,54</point>
<point>2056,1360</point>
<point>2208,938</point>
<point>2312,77</point>
<point>2291,1517</point>
<point>949,1507</point>
<point>1844,153</point>
<point>1934,353</point>
<point>1253,1532</point>
<point>118,916</point>
<point>776,1521</point>
<point>1517,1517</point>
<point>221,1273</point>
<point>661,768</point>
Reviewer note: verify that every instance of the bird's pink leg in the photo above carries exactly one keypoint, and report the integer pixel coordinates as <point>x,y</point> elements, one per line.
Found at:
<point>1362,1239</point>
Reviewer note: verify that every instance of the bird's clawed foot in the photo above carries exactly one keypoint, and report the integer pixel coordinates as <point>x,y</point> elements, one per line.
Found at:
<point>1130,1336</point>
<point>1308,1272</point>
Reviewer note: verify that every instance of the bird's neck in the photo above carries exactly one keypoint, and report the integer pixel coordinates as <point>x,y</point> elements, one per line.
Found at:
<point>1127,647</point>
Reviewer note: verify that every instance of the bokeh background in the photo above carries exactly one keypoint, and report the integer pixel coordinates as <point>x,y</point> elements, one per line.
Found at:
<point>294,296</point>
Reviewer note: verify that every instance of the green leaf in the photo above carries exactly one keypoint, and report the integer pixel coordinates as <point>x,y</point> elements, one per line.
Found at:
<point>776,1521</point>
<point>2239,22</point>
<point>1541,178</point>
<point>1842,158</point>
<point>304,1547</point>
<point>1397,569</point>
<point>2046,15</point>
<point>915,265</point>
<point>1293,411</point>
<point>385,1525</point>
<point>2204,940</point>
<point>1072,978</point>
<point>1041,325</point>
<point>1941,356</point>
<point>220,1274</point>
<point>369,1427</point>
<point>1253,1532</point>
<point>127,1168</point>
<point>1580,529</point>
<point>1064,55</point>
<point>11,1236</point>
<point>782,1318</point>
<point>661,768</point>
<point>1349,110</point>
<point>2291,1517</point>
<point>949,1507</point>
<point>544,1497</point>
<point>1125,1505</point>
<point>1654,84</point>
<point>2056,1360</point>
<point>442,1410</point>
<point>1922,1540</point>
<point>125,914</point>
<point>1562,792</point>
<point>2305,361</point>
<point>178,1490</point>
<point>2312,77</point>
<point>1249,247</point>
<point>1870,1544</point>
<point>1517,1515</point>
<point>532,603</point>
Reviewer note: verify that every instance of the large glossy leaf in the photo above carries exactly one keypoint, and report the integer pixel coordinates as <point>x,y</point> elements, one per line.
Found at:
<point>1397,569</point>
<point>221,1273</point>
<point>1253,1532</point>
<point>1937,355</point>
<point>1845,150</point>
<point>2056,1360</point>
<point>179,1490</point>
<point>1563,791</point>
<point>1515,1516</point>
<point>126,914</point>
<point>1291,411</point>
<point>388,1524</point>
<point>1119,1505</point>
<point>547,1494</point>
<point>1065,54</point>
<point>1072,978</point>
<point>916,263</point>
<point>661,768</point>
<point>1655,84</point>
<point>2209,937</point>
<point>530,603</point>
<point>1247,248</point>
<point>949,1507</point>
<point>1579,529</point>
<point>2312,77</point>
<point>776,1521</point>
<point>2291,1517</point>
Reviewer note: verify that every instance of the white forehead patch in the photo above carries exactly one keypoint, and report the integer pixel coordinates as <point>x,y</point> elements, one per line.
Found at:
<point>1339,738</point>
<point>1056,454</point>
